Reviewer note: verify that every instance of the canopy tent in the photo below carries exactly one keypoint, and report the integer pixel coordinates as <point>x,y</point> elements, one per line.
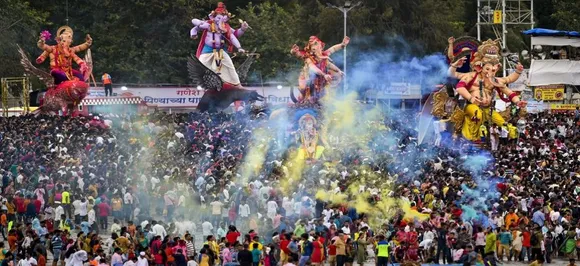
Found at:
<point>554,37</point>
<point>548,32</point>
<point>549,72</point>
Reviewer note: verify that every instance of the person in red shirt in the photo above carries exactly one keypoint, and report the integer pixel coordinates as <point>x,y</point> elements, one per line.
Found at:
<point>317,257</point>
<point>332,253</point>
<point>169,254</point>
<point>20,208</point>
<point>41,260</point>
<point>12,240</point>
<point>232,235</point>
<point>37,203</point>
<point>284,241</point>
<point>104,210</point>
<point>526,245</point>
<point>3,223</point>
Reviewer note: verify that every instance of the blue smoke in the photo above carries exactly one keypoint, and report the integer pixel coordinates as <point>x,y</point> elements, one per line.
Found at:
<point>378,69</point>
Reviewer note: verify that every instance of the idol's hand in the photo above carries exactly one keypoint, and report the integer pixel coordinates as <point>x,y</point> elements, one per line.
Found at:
<point>451,40</point>
<point>245,26</point>
<point>84,67</point>
<point>328,77</point>
<point>294,49</point>
<point>345,41</point>
<point>475,100</point>
<point>89,40</point>
<point>460,62</point>
<point>522,104</point>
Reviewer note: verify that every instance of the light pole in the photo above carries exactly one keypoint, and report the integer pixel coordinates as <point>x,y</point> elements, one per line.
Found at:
<point>344,9</point>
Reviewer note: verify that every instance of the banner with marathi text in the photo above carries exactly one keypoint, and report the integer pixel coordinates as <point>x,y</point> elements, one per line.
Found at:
<point>549,93</point>
<point>537,107</point>
<point>563,107</point>
<point>185,97</point>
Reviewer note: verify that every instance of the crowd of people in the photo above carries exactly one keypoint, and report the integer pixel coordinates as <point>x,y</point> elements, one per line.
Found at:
<point>174,189</point>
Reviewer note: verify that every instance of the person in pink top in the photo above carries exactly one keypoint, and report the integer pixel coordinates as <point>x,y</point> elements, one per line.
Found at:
<point>227,254</point>
<point>181,245</point>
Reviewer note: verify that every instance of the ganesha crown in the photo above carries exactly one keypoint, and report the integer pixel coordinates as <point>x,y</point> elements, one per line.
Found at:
<point>489,47</point>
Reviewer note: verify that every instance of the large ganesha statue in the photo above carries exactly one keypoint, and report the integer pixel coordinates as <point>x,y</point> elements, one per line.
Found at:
<point>477,87</point>
<point>318,73</point>
<point>66,86</point>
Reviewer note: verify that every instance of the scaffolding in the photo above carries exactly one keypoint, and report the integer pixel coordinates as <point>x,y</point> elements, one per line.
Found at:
<point>499,14</point>
<point>15,93</point>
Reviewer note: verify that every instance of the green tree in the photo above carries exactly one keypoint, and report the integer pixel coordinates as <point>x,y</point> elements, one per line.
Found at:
<point>567,15</point>
<point>18,25</point>
<point>274,30</point>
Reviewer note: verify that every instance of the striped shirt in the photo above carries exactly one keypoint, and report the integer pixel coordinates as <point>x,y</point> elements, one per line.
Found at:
<point>56,243</point>
<point>190,248</point>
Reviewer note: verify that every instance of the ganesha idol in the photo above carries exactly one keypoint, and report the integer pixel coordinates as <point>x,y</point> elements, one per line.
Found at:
<point>318,73</point>
<point>62,55</point>
<point>478,88</point>
<point>217,39</point>
<point>309,138</point>
<point>66,86</point>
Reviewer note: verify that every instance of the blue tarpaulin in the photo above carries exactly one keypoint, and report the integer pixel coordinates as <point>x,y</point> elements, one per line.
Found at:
<point>548,32</point>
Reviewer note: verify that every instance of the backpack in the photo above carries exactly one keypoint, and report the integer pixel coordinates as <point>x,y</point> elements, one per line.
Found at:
<point>534,240</point>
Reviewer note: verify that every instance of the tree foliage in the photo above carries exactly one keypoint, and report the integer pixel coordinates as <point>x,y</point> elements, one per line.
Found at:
<point>18,25</point>
<point>147,41</point>
<point>567,14</point>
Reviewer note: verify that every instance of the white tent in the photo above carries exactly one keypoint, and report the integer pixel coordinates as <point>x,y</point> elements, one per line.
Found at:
<point>549,72</point>
<point>555,41</point>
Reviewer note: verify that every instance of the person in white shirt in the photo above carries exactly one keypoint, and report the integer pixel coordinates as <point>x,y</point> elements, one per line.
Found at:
<point>131,262</point>
<point>244,210</point>
<point>272,208</point>
<point>22,261</point>
<point>116,227</point>
<point>128,205</point>
<point>142,260</point>
<point>32,261</point>
<point>503,135</point>
<point>554,216</point>
<point>288,205</point>
<point>83,210</point>
<point>182,227</point>
<point>206,228</point>
<point>192,262</point>
<point>437,130</point>
<point>92,219</point>
<point>327,213</point>
<point>480,241</point>
<point>158,230</point>
<point>58,211</point>
<point>77,210</point>
<point>346,229</point>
